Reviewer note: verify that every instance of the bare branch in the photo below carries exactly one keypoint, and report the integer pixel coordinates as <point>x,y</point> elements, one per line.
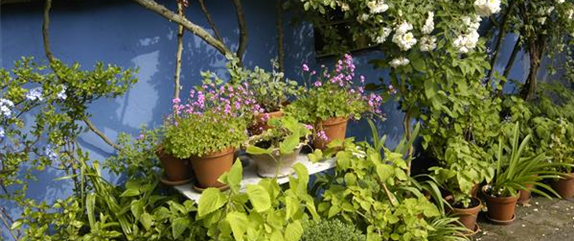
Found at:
<point>509,65</point>
<point>193,28</point>
<point>210,20</point>
<point>101,134</point>
<point>180,31</point>
<point>45,28</point>
<point>280,35</point>
<point>242,29</point>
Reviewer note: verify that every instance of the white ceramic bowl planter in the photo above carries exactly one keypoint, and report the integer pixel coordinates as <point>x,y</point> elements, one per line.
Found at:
<point>276,165</point>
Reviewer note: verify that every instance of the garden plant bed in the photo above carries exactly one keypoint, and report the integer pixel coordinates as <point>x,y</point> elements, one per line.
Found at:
<point>545,219</point>
<point>250,174</point>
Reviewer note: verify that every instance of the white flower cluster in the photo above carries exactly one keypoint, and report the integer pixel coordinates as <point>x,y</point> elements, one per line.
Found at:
<point>403,38</point>
<point>377,6</point>
<point>487,7</point>
<point>467,41</point>
<point>6,107</point>
<point>62,94</point>
<point>560,1</point>
<point>428,42</point>
<point>570,13</point>
<point>35,94</point>
<point>2,133</point>
<point>400,61</point>
<point>381,37</point>
<point>429,24</point>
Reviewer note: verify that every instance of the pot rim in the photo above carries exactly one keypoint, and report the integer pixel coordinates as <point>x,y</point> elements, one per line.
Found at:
<point>276,150</point>
<point>471,208</point>
<point>498,199</point>
<point>333,121</point>
<point>215,154</point>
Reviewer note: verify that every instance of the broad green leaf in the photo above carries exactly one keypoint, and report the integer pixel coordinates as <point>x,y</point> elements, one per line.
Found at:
<point>288,145</point>
<point>130,193</point>
<point>178,227</point>
<point>239,224</point>
<point>294,231</point>
<point>254,150</point>
<point>211,199</point>
<point>259,197</point>
<point>146,220</point>
<point>233,177</point>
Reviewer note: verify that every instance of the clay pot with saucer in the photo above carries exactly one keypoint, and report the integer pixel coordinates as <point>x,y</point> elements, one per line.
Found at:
<point>335,129</point>
<point>501,210</point>
<point>209,167</point>
<point>176,171</point>
<point>564,186</point>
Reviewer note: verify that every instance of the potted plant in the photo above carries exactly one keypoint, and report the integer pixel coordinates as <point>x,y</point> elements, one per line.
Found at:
<point>514,170</point>
<point>332,97</point>
<point>276,149</point>
<point>463,166</point>
<point>561,150</point>
<point>208,129</point>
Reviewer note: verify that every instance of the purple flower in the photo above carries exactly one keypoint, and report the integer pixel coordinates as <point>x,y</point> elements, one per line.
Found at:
<point>141,137</point>
<point>176,101</point>
<point>305,68</point>
<point>309,127</point>
<point>322,136</point>
<point>318,83</point>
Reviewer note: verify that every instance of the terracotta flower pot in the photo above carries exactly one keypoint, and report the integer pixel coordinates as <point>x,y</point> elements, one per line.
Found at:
<point>208,168</point>
<point>176,170</point>
<point>276,165</point>
<point>467,216</point>
<point>335,129</point>
<point>500,209</point>
<point>261,121</point>
<point>564,186</point>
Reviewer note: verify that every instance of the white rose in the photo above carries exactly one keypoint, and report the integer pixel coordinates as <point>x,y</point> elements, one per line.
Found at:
<point>429,24</point>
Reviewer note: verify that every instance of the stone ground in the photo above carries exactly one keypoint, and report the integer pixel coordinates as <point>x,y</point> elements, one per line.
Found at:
<point>544,219</point>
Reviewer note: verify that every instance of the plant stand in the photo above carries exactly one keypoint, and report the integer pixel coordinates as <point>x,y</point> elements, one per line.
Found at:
<point>250,174</point>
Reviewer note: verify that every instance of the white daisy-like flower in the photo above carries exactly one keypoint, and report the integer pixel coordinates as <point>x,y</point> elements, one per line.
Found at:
<point>377,6</point>
<point>428,43</point>
<point>487,7</point>
<point>400,61</point>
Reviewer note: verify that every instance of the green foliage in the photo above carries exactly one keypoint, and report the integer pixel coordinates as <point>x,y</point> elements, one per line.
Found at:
<point>137,156</point>
<point>331,230</point>
<point>464,165</point>
<point>282,138</point>
<point>204,134</point>
<point>263,212</point>
<point>270,90</point>
<point>108,212</point>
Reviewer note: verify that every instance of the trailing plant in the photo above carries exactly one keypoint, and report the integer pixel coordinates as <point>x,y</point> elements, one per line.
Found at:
<point>334,93</point>
<point>282,138</point>
<point>515,169</point>
<point>331,230</point>
<point>463,166</point>
<point>263,212</point>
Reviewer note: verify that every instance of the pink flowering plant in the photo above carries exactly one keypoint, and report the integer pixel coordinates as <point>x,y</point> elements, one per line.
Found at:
<point>334,93</point>
<point>215,117</point>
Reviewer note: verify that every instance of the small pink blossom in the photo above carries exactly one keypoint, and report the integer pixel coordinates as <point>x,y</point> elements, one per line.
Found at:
<point>305,68</point>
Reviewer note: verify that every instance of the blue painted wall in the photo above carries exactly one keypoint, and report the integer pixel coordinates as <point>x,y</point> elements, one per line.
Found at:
<point>123,33</point>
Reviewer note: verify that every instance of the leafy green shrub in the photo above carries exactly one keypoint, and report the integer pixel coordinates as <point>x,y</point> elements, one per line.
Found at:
<point>331,230</point>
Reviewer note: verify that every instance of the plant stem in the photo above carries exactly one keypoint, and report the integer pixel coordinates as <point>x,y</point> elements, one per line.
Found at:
<point>509,65</point>
<point>94,129</point>
<point>180,32</point>
<point>280,35</point>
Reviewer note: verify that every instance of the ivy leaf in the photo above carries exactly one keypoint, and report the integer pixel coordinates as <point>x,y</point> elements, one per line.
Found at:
<point>259,198</point>
<point>239,224</point>
<point>211,199</point>
<point>294,231</point>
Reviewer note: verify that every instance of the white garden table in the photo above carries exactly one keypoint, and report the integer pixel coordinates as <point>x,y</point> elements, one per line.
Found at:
<point>250,174</point>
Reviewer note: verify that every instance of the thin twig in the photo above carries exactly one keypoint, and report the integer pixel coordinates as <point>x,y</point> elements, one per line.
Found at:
<point>280,35</point>
<point>190,26</point>
<point>501,34</point>
<point>509,65</point>
<point>210,20</point>
<point>180,31</point>
<point>101,134</point>
<point>6,224</point>
<point>242,29</point>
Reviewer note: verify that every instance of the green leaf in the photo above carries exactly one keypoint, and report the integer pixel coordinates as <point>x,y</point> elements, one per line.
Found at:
<point>211,199</point>
<point>294,231</point>
<point>137,208</point>
<point>292,207</point>
<point>384,171</point>
<point>178,226</point>
<point>239,224</point>
<point>254,150</point>
<point>146,220</point>
<point>130,193</point>
<point>431,88</point>
<point>288,145</point>
<point>259,197</point>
